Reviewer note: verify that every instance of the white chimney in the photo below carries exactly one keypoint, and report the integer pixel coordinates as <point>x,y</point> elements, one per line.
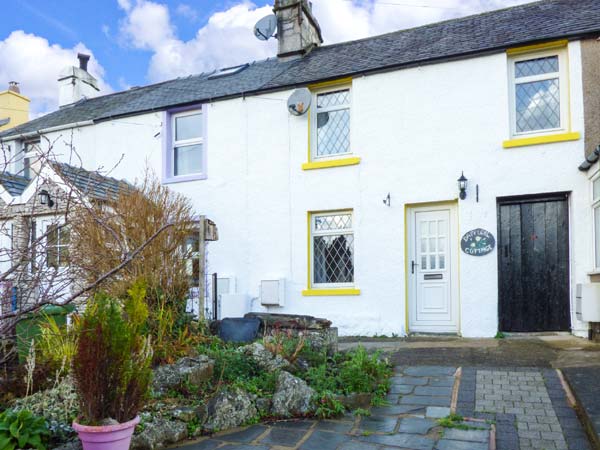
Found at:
<point>76,83</point>
<point>298,31</point>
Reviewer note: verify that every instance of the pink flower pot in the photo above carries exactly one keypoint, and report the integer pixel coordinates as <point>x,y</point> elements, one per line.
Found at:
<point>106,437</point>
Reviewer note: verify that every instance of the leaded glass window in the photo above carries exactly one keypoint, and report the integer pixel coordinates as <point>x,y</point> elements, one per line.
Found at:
<point>537,92</point>
<point>332,123</point>
<point>333,249</point>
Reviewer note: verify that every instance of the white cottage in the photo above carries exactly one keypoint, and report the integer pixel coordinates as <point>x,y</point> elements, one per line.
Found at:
<point>353,210</point>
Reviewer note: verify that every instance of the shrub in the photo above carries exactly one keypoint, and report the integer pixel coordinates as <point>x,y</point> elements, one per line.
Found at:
<point>112,364</point>
<point>362,372</point>
<point>22,430</point>
<point>56,344</point>
<point>327,405</point>
<point>286,344</point>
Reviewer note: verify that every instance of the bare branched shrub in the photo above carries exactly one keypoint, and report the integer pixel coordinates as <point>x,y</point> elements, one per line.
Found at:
<point>103,236</point>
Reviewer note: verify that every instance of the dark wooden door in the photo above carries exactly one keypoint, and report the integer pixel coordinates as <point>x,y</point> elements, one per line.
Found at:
<point>533,263</point>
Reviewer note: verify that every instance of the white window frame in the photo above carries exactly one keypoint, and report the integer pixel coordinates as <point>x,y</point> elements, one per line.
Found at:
<point>595,233</point>
<point>563,83</point>
<point>46,224</point>
<point>313,121</point>
<point>313,233</point>
<point>169,151</point>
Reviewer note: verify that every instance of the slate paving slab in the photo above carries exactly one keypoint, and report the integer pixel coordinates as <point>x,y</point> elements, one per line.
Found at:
<point>422,395</point>
<point>585,384</point>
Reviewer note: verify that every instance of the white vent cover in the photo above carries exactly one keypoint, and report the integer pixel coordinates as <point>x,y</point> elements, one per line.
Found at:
<point>272,292</point>
<point>587,302</point>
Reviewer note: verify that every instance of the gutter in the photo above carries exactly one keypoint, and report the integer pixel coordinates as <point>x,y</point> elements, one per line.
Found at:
<point>65,126</point>
<point>590,160</point>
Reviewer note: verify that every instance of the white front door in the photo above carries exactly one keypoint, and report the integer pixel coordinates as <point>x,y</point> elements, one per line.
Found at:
<point>432,269</point>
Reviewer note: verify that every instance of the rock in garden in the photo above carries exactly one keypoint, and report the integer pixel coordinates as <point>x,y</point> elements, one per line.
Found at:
<point>264,358</point>
<point>292,396</point>
<point>159,434</point>
<point>193,370</point>
<point>185,414</point>
<point>229,409</point>
<point>356,400</point>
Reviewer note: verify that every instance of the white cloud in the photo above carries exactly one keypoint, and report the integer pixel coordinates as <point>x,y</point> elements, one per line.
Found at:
<point>35,64</point>
<point>185,10</point>
<point>227,37</point>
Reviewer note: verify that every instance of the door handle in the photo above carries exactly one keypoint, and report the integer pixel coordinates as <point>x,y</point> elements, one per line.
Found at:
<point>412,266</point>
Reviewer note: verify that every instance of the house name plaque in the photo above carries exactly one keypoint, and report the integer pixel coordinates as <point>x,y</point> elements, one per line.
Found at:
<point>477,242</point>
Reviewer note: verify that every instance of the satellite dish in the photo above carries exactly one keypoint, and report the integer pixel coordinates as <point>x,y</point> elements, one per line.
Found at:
<point>265,27</point>
<point>322,119</point>
<point>299,101</point>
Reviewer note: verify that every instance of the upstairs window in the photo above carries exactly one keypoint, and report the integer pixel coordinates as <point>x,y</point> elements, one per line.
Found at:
<point>186,151</point>
<point>31,155</point>
<point>539,93</point>
<point>330,119</point>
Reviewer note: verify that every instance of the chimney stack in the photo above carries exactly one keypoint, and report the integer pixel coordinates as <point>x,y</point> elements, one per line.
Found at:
<point>76,83</point>
<point>13,86</point>
<point>83,60</point>
<point>298,31</point>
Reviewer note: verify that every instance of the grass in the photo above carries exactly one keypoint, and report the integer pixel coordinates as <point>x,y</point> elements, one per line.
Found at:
<point>456,421</point>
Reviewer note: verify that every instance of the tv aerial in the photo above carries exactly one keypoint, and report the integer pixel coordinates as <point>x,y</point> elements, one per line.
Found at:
<point>265,28</point>
<point>299,102</point>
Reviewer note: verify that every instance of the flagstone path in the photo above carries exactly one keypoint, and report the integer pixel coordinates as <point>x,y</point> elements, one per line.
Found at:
<point>503,409</point>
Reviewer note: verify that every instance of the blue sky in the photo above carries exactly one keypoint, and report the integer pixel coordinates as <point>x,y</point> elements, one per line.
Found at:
<point>136,42</point>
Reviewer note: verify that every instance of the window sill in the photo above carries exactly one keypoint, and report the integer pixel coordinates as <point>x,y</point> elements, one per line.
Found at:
<point>536,140</point>
<point>331,163</point>
<point>183,178</point>
<point>330,292</point>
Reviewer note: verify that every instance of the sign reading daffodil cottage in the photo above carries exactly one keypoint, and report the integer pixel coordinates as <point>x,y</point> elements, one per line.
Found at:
<point>477,242</point>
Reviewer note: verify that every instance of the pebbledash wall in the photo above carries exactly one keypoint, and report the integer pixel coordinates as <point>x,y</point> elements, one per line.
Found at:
<point>415,131</point>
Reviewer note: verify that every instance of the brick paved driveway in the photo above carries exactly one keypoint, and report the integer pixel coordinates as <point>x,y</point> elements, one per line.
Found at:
<point>516,409</point>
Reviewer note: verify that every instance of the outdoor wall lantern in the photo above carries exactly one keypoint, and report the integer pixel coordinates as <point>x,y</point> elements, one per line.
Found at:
<point>462,186</point>
<point>45,198</point>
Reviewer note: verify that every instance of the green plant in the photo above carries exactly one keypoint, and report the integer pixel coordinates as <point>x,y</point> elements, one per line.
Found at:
<point>499,335</point>
<point>327,405</point>
<point>112,364</point>
<point>22,430</point>
<point>57,344</point>
<point>456,421</point>
<point>287,344</point>
<point>362,372</point>
<point>361,412</point>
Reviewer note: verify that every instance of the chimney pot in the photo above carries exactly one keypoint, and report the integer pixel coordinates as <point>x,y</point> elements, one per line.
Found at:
<point>83,60</point>
<point>14,87</point>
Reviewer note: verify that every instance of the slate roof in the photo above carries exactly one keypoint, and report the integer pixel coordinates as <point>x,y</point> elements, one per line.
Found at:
<point>91,184</point>
<point>488,32</point>
<point>14,184</point>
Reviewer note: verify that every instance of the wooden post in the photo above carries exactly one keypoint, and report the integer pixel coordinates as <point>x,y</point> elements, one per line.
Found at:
<point>202,266</point>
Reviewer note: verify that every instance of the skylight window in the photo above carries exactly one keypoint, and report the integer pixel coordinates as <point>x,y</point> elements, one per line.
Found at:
<point>227,71</point>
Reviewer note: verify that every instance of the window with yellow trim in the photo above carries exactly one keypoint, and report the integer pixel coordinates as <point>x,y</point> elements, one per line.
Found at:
<point>332,250</point>
<point>539,93</point>
<point>330,124</point>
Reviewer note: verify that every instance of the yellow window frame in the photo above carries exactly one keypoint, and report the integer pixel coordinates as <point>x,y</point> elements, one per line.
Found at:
<point>346,160</point>
<point>323,292</point>
<point>558,136</point>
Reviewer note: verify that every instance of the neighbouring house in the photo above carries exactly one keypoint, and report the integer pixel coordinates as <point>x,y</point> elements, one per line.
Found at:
<point>33,211</point>
<point>354,210</point>
<point>14,107</point>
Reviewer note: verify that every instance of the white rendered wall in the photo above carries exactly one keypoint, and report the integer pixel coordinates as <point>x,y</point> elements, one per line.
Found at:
<point>416,130</point>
